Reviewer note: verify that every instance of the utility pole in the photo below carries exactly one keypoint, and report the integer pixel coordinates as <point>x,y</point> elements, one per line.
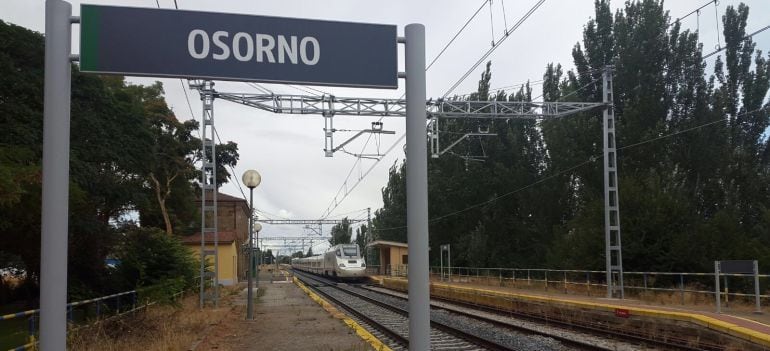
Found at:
<point>417,189</point>
<point>613,247</point>
<point>208,183</point>
<point>369,233</point>
<point>56,164</point>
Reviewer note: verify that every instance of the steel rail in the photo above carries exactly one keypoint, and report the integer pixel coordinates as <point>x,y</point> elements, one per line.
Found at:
<point>564,340</point>
<point>459,333</point>
<point>398,338</point>
<point>600,330</point>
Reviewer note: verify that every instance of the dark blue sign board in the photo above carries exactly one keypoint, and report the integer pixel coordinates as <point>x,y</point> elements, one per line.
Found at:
<point>190,44</point>
<point>736,266</point>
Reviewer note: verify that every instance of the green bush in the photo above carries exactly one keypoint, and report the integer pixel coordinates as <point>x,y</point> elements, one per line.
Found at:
<point>155,263</point>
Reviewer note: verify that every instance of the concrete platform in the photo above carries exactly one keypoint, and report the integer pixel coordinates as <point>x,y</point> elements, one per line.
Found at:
<point>286,319</point>
<point>739,327</point>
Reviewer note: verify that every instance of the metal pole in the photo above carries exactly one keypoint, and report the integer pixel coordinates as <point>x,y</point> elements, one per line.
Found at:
<point>417,189</point>
<point>613,249</point>
<point>727,291</point>
<point>449,260</point>
<point>716,289</point>
<point>369,235</point>
<point>249,292</point>
<point>441,263</point>
<point>756,288</point>
<point>55,199</point>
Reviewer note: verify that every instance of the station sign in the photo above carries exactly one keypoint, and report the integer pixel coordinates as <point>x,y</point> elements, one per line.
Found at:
<point>191,44</point>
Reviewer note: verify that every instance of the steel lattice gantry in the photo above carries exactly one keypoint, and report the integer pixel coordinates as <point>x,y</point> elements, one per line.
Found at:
<point>308,221</point>
<point>328,106</point>
<point>209,188</point>
<point>268,238</point>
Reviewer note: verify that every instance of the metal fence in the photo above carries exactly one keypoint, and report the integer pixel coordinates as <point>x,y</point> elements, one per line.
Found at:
<point>684,287</point>
<point>22,327</point>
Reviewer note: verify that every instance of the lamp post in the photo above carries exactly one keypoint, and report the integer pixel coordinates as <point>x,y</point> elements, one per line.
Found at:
<point>251,179</point>
<point>255,263</point>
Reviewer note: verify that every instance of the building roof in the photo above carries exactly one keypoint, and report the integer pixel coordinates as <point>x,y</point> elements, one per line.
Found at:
<point>383,243</point>
<point>224,237</point>
<point>229,198</point>
<point>222,197</point>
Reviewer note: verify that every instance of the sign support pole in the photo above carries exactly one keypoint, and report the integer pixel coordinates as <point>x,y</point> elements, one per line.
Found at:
<point>417,189</point>
<point>56,148</point>
<point>716,287</point>
<point>757,304</point>
<point>441,263</point>
<point>449,260</point>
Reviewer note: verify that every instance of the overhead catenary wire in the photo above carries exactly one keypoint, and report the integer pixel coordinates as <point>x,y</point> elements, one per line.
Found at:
<point>494,47</point>
<point>349,213</point>
<point>446,46</point>
<point>361,177</point>
<point>303,90</point>
<point>696,11</point>
<point>334,203</point>
<point>576,166</point>
<point>742,39</point>
<point>561,98</point>
<point>232,170</point>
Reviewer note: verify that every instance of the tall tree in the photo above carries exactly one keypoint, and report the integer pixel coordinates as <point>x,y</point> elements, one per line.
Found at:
<point>169,169</point>
<point>341,233</point>
<point>362,236</point>
<point>694,163</point>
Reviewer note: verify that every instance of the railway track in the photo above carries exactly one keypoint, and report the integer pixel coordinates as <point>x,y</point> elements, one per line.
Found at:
<point>386,316</point>
<point>497,316</point>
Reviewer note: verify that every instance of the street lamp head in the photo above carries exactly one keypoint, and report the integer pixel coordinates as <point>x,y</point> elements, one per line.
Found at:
<point>257,227</point>
<point>251,179</point>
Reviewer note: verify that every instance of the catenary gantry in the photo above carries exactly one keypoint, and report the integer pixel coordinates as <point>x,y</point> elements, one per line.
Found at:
<point>328,106</point>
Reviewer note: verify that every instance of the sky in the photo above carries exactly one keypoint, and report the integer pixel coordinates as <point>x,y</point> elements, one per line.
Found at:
<point>298,182</point>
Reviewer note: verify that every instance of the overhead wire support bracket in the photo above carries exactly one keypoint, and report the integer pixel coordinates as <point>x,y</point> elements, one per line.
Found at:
<point>308,221</point>
<point>376,129</point>
<point>436,153</point>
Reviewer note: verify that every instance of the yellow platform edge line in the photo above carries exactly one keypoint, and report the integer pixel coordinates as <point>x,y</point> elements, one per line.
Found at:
<point>699,319</point>
<point>360,331</point>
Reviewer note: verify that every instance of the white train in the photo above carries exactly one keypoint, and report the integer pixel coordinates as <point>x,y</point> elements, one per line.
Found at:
<point>341,261</point>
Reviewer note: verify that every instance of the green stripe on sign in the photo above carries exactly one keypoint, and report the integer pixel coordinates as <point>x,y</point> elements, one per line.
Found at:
<point>89,37</point>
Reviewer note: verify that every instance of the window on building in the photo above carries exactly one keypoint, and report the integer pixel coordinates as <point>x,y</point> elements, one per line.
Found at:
<point>405,259</point>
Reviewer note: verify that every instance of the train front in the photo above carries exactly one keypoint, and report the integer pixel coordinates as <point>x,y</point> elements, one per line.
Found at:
<point>350,263</point>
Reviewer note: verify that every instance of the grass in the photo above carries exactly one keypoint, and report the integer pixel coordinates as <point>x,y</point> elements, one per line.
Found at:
<point>159,328</point>
<point>673,298</point>
<point>13,333</point>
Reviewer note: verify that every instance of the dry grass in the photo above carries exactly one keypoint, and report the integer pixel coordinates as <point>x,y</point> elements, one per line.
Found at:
<point>672,298</point>
<point>159,328</point>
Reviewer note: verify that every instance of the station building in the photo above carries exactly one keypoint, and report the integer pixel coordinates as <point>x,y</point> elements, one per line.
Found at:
<point>393,255</point>
<point>228,255</point>
<point>233,225</point>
